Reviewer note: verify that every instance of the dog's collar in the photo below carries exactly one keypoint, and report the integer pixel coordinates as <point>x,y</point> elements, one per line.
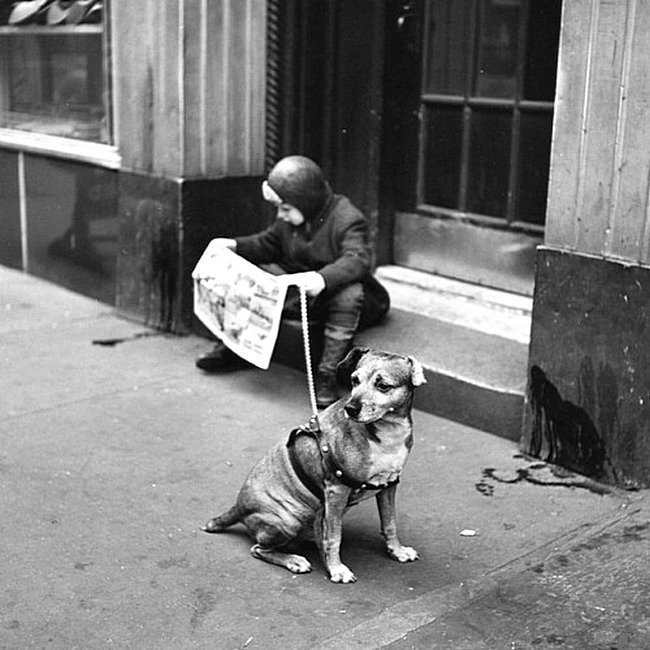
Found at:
<point>329,462</point>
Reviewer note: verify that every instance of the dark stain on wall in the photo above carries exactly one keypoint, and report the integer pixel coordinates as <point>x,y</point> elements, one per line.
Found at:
<point>148,281</point>
<point>563,433</point>
<point>157,262</point>
<point>588,401</point>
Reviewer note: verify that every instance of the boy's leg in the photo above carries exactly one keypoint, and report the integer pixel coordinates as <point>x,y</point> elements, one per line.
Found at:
<point>341,312</point>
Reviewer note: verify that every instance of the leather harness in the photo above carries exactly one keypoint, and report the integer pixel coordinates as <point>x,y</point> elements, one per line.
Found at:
<point>330,465</point>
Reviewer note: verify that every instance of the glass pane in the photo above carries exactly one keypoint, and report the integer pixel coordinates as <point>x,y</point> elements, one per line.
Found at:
<point>52,81</point>
<point>534,155</point>
<point>72,225</point>
<point>10,248</point>
<point>449,47</point>
<point>443,138</point>
<point>489,163</point>
<point>543,42</point>
<point>496,71</point>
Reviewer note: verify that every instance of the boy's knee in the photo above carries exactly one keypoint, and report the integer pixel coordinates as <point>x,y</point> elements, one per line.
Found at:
<point>350,296</point>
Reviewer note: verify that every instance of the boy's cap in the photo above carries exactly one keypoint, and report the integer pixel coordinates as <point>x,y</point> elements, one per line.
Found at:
<point>299,181</point>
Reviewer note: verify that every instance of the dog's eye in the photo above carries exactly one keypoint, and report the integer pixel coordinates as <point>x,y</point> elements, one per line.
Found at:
<point>383,386</point>
<point>354,380</point>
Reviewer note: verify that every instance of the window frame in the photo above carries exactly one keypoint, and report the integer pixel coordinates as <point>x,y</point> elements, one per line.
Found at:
<point>86,151</point>
<point>468,102</point>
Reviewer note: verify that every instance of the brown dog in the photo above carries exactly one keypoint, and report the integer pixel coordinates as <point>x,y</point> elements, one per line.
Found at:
<point>359,450</point>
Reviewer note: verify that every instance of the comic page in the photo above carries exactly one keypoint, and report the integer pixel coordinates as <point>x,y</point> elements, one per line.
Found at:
<point>240,303</point>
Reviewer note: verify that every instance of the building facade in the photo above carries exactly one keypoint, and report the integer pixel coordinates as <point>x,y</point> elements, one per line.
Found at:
<point>498,142</point>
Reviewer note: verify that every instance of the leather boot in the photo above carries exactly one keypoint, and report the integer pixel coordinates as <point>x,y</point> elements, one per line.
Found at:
<point>334,351</point>
<point>220,359</point>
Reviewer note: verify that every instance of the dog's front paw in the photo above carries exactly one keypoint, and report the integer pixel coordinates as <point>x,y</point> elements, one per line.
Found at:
<point>403,554</point>
<point>341,573</point>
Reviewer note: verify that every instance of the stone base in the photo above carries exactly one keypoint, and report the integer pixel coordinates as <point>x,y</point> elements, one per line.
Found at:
<point>588,395</point>
<point>165,225</point>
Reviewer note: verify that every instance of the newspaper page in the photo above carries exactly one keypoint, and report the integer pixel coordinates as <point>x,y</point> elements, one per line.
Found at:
<point>239,303</point>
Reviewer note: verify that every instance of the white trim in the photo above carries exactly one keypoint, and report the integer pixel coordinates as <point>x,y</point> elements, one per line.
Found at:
<point>102,155</point>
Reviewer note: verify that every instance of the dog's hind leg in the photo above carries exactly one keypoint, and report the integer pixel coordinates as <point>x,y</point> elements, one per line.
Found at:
<point>269,540</point>
<point>228,518</point>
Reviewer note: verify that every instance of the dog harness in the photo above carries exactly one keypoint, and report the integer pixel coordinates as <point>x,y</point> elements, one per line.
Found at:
<point>330,465</point>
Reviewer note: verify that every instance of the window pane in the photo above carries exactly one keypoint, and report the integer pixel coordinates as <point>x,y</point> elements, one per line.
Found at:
<point>496,73</point>
<point>53,82</point>
<point>10,248</point>
<point>449,47</point>
<point>442,155</point>
<point>534,154</point>
<point>543,42</point>
<point>489,163</point>
<point>72,225</point>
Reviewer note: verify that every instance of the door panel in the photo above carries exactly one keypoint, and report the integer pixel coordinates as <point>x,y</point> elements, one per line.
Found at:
<point>448,247</point>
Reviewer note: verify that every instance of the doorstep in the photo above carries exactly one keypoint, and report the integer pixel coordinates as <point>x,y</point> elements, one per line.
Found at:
<point>472,342</point>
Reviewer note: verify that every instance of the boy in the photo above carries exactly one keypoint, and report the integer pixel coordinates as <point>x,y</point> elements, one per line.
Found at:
<point>319,241</point>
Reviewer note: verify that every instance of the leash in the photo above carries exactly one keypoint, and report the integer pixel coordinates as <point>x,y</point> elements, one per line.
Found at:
<point>313,421</point>
<point>313,429</point>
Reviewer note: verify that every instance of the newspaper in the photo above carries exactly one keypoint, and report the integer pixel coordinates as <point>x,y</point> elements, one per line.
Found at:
<point>239,303</point>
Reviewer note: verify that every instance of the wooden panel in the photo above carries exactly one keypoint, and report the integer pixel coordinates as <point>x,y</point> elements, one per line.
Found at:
<point>225,69</point>
<point>603,103</point>
<point>632,172</point>
<point>146,94</point>
<point>600,162</point>
<point>216,97</point>
<point>193,26</point>
<point>256,75</point>
<point>190,86</point>
<point>568,136</point>
<point>238,86</point>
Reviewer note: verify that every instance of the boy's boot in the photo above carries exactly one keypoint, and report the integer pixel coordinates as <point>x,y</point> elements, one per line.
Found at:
<point>334,351</point>
<point>220,359</point>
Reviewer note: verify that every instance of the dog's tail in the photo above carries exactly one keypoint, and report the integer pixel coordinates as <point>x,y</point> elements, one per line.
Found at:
<point>228,518</point>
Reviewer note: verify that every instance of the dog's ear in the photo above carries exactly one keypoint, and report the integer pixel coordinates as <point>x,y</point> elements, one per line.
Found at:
<point>417,373</point>
<point>347,366</point>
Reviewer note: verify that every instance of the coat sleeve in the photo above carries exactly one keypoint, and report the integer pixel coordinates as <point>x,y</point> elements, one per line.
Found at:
<point>353,261</point>
<point>261,248</point>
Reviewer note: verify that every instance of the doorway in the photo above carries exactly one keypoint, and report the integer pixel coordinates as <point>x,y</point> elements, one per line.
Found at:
<point>469,93</point>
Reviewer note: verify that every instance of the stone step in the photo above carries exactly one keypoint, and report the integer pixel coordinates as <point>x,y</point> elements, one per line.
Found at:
<point>471,341</point>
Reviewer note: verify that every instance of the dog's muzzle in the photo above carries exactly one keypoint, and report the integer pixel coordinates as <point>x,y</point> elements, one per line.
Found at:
<point>352,409</point>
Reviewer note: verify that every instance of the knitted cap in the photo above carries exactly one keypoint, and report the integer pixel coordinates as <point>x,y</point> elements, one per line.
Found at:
<point>299,182</point>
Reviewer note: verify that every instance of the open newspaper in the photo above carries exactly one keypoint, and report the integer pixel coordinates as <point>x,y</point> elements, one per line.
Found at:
<point>239,303</point>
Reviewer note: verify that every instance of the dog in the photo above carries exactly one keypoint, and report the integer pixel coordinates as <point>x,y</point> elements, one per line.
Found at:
<point>358,449</point>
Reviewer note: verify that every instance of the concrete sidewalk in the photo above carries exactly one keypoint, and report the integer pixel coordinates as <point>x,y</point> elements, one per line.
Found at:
<point>114,450</point>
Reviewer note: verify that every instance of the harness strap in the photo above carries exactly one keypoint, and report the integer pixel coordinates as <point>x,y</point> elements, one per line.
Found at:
<point>305,479</point>
<point>334,467</point>
<point>329,462</point>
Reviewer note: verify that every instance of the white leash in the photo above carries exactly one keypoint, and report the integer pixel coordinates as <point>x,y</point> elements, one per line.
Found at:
<point>305,339</point>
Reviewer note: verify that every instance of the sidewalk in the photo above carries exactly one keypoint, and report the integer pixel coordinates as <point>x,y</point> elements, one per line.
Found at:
<point>114,450</point>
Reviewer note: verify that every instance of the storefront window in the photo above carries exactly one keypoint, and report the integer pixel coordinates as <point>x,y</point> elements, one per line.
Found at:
<point>54,69</point>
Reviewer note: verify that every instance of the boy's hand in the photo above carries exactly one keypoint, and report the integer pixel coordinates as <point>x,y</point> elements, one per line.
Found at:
<point>312,282</point>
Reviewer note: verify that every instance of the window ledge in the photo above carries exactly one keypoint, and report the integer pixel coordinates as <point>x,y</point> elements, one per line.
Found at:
<point>103,155</point>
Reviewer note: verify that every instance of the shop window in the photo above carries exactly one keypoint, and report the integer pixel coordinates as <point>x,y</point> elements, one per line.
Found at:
<point>487,107</point>
<point>71,229</point>
<point>54,69</point>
